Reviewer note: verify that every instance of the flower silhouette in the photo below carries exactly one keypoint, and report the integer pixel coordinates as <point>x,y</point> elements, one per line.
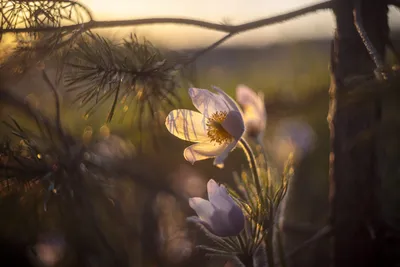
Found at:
<point>220,214</point>
<point>216,129</point>
<point>255,115</point>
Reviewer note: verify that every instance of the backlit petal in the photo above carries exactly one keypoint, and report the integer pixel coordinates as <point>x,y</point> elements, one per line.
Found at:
<point>187,125</point>
<point>255,115</point>
<point>202,207</point>
<point>228,100</point>
<point>202,151</point>
<point>219,160</point>
<point>255,124</point>
<point>247,97</point>
<point>234,124</point>
<point>207,102</point>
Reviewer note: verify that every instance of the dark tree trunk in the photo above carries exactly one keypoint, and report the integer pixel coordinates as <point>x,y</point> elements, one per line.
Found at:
<point>354,176</point>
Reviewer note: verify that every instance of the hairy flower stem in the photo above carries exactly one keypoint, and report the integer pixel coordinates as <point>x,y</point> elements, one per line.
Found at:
<point>253,166</point>
<point>268,238</point>
<point>259,141</point>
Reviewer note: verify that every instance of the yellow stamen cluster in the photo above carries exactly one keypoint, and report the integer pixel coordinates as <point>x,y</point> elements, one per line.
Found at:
<point>215,131</point>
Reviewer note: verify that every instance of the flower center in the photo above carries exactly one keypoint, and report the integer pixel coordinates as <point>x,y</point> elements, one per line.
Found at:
<point>215,131</point>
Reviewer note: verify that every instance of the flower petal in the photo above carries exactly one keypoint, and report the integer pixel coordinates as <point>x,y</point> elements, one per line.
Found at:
<point>219,197</point>
<point>219,160</point>
<point>227,223</point>
<point>228,100</point>
<point>234,124</point>
<point>255,115</point>
<point>202,151</point>
<point>187,125</point>
<point>247,97</point>
<point>207,102</point>
<point>254,124</point>
<point>223,192</point>
<point>236,219</point>
<point>212,188</point>
<point>203,208</point>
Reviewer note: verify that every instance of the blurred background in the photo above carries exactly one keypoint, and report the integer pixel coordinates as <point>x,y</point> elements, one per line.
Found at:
<point>138,217</point>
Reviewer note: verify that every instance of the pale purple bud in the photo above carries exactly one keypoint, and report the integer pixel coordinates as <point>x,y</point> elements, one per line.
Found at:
<point>255,115</point>
<point>220,214</point>
<point>300,134</point>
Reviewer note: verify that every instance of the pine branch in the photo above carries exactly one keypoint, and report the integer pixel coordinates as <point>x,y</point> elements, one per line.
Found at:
<point>58,113</point>
<point>36,46</point>
<point>100,70</point>
<point>54,160</point>
<point>41,14</point>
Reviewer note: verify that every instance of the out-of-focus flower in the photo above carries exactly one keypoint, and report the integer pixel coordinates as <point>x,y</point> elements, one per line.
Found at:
<point>254,113</point>
<point>105,131</point>
<point>87,135</point>
<point>220,214</point>
<point>50,250</point>
<point>174,241</point>
<point>109,151</point>
<point>216,129</point>
<point>188,181</point>
<point>114,147</point>
<point>294,136</point>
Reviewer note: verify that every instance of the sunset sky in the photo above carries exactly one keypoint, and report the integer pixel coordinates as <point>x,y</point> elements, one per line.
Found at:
<point>236,11</point>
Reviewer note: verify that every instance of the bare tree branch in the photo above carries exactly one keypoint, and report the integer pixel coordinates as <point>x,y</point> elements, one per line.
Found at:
<point>93,24</point>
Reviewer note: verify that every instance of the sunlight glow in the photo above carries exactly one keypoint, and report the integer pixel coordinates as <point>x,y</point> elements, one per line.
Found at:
<point>311,26</point>
<point>234,11</point>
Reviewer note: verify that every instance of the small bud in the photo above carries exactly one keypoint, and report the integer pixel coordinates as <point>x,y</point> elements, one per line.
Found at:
<point>221,215</point>
<point>255,115</point>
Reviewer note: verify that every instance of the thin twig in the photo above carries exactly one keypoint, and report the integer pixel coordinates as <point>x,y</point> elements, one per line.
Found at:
<point>93,24</point>
<point>325,231</point>
<point>207,49</point>
<point>58,113</point>
<point>298,227</point>
<point>11,99</point>
<point>376,57</point>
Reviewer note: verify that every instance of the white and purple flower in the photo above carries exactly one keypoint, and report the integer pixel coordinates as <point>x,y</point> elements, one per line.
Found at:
<point>220,214</point>
<point>216,128</point>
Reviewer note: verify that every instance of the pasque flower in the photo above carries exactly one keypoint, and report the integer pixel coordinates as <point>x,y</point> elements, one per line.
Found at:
<point>220,214</point>
<point>255,115</point>
<point>216,128</point>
